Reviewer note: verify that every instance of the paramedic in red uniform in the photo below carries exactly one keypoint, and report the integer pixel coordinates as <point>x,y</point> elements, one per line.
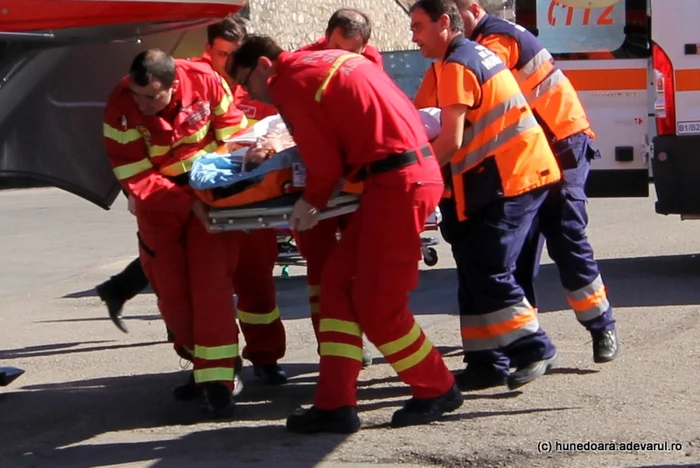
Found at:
<point>350,120</point>
<point>254,281</point>
<point>501,168</point>
<point>254,284</point>
<point>162,116</point>
<point>348,29</point>
<point>563,217</point>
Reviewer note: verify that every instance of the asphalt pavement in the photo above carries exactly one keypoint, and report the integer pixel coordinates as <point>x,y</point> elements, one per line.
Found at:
<point>93,396</point>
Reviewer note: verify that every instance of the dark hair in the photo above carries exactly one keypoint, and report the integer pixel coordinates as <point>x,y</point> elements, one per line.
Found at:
<point>351,22</point>
<point>152,64</point>
<point>250,51</point>
<point>232,29</point>
<point>436,8</point>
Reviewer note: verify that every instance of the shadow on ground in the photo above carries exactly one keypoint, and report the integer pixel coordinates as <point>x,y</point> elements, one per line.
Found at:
<point>631,282</point>
<point>48,424</point>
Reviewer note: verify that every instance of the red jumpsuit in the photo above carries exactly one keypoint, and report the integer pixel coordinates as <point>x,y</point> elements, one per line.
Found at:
<point>316,244</point>
<point>345,113</point>
<point>189,269</point>
<point>253,281</point>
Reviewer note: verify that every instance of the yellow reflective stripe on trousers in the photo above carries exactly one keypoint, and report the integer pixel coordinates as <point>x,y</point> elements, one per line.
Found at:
<point>340,326</point>
<point>415,358</point>
<point>130,170</point>
<point>212,353</point>
<point>250,318</point>
<point>199,135</point>
<point>315,308</point>
<point>341,350</point>
<point>121,137</point>
<point>314,290</point>
<point>215,374</point>
<point>185,165</point>
<point>402,343</point>
<point>222,134</point>
<point>331,72</point>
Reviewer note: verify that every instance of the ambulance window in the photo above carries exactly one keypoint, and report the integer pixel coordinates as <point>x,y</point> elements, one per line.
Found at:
<point>617,31</point>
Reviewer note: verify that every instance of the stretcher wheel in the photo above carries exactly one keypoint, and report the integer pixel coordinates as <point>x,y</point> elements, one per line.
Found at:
<point>430,256</point>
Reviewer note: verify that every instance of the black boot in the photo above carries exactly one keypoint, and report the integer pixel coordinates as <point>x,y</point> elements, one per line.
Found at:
<point>271,374</point>
<point>218,401</point>
<point>418,411</point>
<point>188,391</point>
<point>120,288</point>
<point>470,380</point>
<point>342,420</point>
<point>525,374</point>
<point>605,346</point>
<point>109,294</point>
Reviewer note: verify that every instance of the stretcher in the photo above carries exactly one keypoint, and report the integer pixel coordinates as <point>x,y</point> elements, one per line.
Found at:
<point>274,213</point>
<point>263,197</point>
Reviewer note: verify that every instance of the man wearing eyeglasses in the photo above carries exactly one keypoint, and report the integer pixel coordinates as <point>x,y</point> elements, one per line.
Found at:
<point>161,117</point>
<point>350,120</point>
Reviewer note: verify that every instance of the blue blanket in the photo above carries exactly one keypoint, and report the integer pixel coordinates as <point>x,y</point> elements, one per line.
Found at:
<point>224,170</point>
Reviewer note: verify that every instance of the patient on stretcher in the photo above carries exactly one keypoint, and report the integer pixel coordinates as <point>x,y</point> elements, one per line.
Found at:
<point>264,164</point>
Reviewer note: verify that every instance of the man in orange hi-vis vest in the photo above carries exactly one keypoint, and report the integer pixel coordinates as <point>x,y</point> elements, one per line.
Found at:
<point>562,219</point>
<point>501,168</point>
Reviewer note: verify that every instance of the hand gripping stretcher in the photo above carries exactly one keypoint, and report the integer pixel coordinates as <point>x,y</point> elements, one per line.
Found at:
<point>263,198</point>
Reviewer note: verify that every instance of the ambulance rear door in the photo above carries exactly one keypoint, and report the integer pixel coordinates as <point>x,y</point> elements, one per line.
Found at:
<point>675,35</point>
<point>605,53</point>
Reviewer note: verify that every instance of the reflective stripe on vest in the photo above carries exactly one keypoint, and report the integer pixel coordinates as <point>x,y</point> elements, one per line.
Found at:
<point>476,153</point>
<point>185,165</point>
<point>331,72</point>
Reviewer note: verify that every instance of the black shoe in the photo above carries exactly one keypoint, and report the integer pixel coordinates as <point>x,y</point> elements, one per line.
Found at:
<point>605,346</point>
<point>8,375</point>
<point>170,335</point>
<point>114,304</point>
<point>342,420</point>
<point>271,374</point>
<point>188,391</point>
<point>418,411</point>
<point>469,380</point>
<point>218,401</point>
<point>191,391</point>
<point>525,374</point>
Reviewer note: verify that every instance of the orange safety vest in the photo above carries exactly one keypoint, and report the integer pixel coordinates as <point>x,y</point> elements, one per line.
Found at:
<point>505,152</point>
<point>426,96</point>
<point>547,89</point>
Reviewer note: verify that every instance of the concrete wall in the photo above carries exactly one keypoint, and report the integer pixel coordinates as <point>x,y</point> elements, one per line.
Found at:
<point>294,23</point>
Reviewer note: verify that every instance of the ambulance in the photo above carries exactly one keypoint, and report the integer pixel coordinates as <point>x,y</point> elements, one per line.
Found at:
<point>636,67</point>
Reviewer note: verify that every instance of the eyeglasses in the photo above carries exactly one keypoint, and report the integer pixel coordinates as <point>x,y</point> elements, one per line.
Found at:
<point>244,84</point>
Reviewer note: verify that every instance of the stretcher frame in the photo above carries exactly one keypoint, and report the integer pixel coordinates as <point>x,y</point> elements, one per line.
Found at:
<point>274,214</point>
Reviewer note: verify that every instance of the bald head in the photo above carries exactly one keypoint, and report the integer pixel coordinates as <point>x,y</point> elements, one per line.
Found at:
<point>348,29</point>
<point>472,11</point>
<point>152,64</point>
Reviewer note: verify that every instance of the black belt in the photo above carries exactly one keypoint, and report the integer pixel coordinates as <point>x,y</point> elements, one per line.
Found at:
<point>394,161</point>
